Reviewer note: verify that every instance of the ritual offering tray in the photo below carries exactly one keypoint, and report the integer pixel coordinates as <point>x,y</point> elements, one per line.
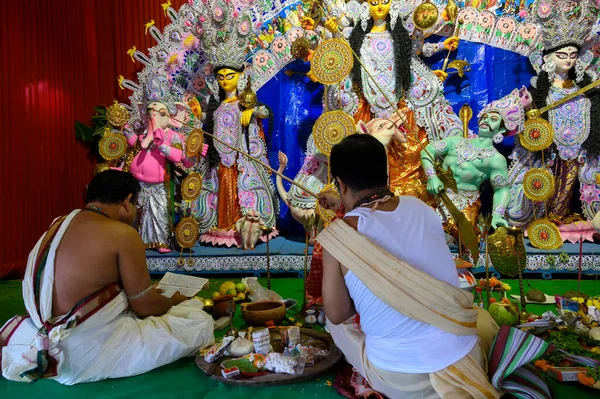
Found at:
<point>288,362</point>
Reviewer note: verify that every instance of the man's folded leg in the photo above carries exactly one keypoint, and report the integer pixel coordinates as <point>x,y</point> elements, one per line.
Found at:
<point>351,341</point>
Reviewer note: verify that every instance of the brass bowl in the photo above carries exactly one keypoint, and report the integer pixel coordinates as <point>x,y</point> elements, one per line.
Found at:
<point>259,313</point>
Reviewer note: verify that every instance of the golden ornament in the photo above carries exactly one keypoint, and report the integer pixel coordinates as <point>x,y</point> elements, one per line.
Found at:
<point>101,167</point>
<point>326,215</point>
<point>507,250</point>
<point>425,15</point>
<point>117,115</point>
<point>544,234</point>
<point>248,97</point>
<point>331,128</point>
<point>194,143</point>
<point>538,184</point>
<point>194,105</point>
<point>112,146</point>
<point>537,134</point>
<point>191,186</point>
<point>300,48</point>
<point>187,232</point>
<point>332,61</point>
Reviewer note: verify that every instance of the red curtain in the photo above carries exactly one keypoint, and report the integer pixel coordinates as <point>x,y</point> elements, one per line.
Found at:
<point>59,59</point>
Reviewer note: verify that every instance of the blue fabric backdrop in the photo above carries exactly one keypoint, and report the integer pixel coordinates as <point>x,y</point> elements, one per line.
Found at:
<point>296,102</point>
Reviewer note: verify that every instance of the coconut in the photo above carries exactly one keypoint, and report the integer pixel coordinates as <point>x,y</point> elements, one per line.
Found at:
<point>536,296</point>
<point>504,314</point>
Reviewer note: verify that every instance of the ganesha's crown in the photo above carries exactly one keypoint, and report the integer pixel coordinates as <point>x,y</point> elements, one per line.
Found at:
<point>565,22</point>
<point>224,34</point>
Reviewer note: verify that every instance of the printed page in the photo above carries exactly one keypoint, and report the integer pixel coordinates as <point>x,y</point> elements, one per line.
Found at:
<point>186,285</point>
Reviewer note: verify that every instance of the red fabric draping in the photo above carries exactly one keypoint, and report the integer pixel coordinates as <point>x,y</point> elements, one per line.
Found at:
<point>59,59</point>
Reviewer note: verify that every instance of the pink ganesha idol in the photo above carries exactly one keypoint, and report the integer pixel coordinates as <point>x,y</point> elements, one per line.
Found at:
<point>159,144</point>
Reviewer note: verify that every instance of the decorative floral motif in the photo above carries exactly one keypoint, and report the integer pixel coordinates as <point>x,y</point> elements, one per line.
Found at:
<point>378,56</point>
<point>467,152</point>
<point>571,122</point>
<point>589,193</point>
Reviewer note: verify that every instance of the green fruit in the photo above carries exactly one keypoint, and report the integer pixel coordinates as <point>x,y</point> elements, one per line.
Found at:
<point>231,292</point>
<point>241,287</point>
<point>504,314</point>
<point>215,295</point>
<point>226,286</point>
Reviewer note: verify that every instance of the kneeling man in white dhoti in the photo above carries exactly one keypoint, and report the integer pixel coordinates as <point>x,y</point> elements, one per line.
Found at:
<point>92,310</point>
<point>418,335</point>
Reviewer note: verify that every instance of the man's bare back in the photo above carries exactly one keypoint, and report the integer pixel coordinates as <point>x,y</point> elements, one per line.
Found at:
<point>87,258</point>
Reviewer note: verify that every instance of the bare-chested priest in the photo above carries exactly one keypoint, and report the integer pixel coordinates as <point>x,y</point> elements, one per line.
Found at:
<point>92,310</point>
<point>387,261</point>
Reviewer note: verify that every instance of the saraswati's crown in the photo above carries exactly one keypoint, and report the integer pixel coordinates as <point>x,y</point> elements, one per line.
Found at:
<point>224,34</point>
<point>565,22</point>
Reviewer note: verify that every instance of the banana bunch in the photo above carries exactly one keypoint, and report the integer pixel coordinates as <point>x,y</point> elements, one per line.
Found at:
<point>593,302</point>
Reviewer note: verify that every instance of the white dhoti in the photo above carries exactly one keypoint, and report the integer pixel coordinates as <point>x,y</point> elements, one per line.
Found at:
<point>100,338</point>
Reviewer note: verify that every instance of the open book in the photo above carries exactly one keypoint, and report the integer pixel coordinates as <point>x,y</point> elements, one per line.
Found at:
<point>186,285</point>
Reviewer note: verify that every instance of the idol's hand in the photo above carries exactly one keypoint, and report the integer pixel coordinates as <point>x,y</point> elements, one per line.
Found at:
<point>434,185</point>
<point>159,136</point>
<point>309,55</point>
<point>498,221</point>
<point>311,76</point>
<point>441,75</point>
<point>331,25</point>
<point>308,23</point>
<point>145,141</point>
<point>330,200</point>
<point>451,43</point>
<point>247,116</point>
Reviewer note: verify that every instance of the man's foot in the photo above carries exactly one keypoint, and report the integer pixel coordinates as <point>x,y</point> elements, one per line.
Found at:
<point>362,387</point>
<point>163,250</point>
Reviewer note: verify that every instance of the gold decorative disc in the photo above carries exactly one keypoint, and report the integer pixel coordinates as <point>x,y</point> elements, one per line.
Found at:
<point>326,215</point>
<point>538,184</point>
<point>191,187</point>
<point>537,135</point>
<point>112,146</point>
<point>187,232</point>
<point>194,143</point>
<point>332,61</point>
<point>117,115</point>
<point>425,15</point>
<point>331,128</point>
<point>544,234</point>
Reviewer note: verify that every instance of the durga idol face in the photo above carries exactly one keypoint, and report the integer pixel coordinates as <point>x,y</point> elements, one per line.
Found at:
<point>564,58</point>
<point>379,9</point>
<point>228,79</point>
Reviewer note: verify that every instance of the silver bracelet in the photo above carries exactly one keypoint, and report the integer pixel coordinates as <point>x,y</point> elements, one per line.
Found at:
<point>140,294</point>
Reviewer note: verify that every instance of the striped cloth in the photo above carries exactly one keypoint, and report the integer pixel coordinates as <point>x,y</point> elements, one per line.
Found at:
<point>510,369</point>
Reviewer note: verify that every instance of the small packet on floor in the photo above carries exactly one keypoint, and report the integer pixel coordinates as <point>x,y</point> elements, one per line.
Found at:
<point>230,372</point>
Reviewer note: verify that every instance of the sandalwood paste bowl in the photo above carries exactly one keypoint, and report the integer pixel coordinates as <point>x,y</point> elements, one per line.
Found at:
<point>257,314</point>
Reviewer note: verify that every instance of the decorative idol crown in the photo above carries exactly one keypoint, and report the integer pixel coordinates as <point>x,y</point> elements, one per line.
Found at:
<point>225,34</point>
<point>512,110</point>
<point>156,89</point>
<point>565,22</point>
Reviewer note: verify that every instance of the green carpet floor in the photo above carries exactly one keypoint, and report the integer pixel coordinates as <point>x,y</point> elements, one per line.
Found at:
<point>184,380</point>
